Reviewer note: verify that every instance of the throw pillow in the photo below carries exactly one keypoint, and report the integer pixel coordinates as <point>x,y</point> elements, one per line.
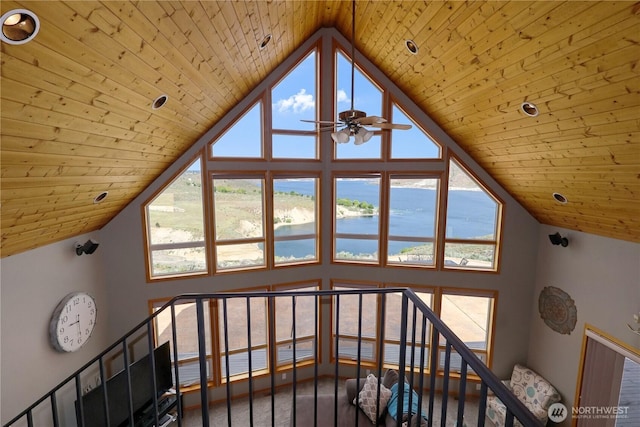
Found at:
<point>368,398</point>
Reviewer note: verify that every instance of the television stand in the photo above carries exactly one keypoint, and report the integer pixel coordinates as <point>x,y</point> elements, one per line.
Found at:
<point>166,403</point>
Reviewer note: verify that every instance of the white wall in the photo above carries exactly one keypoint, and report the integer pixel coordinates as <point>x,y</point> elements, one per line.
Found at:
<point>32,283</point>
<point>602,276</point>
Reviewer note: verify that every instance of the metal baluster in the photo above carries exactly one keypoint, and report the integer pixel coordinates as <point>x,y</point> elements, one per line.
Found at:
<point>462,391</point>
<point>176,366</point>
<point>381,347</point>
<point>482,404</point>
<point>315,364</point>
<point>402,357</point>
<point>445,383</point>
<point>202,362</point>
<point>293,349</point>
<point>249,361</point>
<point>272,359</point>
<point>423,337</point>
<point>337,360</point>
<point>54,410</point>
<point>127,373</point>
<point>359,352</point>
<point>153,371</point>
<point>226,358</point>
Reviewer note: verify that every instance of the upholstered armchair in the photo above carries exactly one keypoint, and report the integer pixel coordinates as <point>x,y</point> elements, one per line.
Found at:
<point>534,391</point>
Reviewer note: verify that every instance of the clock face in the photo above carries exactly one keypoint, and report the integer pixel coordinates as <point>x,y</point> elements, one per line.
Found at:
<point>72,322</point>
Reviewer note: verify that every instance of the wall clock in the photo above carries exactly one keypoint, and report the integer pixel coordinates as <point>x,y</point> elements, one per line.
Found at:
<point>72,322</point>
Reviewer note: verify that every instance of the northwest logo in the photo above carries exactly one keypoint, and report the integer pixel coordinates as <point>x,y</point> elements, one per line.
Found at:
<point>557,412</point>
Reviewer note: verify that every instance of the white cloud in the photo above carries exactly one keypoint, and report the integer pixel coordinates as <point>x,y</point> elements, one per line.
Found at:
<point>342,96</point>
<point>301,101</point>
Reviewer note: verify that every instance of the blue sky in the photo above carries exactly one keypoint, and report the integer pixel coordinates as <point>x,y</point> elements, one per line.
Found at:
<point>295,98</point>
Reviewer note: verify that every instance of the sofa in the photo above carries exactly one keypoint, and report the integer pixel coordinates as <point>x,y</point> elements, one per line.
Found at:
<point>363,392</point>
<point>535,392</point>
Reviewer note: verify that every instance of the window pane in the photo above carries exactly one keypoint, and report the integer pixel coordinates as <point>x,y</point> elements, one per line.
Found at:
<point>468,317</point>
<point>178,260</point>
<point>294,217</point>
<point>356,250</point>
<point>369,150</point>
<point>305,350</point>
<point>412,143</point>
<point>294,206</point>
<point>243,138</point>
<point>471,212</point>
<point>294,98</point>
<point>349,317</point>
<point>240,255</point>
<point>187,333</point>
<point>393,317</point>
<point>175,218</point>
<point>238,205</point>
<point>412,217</point>
<point>294,146</point>
<point>305,316</point>
<point>239,362</point>
<point>469,255</point>
<point>356,213</point>
<point>367,97</point>
<point>348,349</point>
<point>237,326</point>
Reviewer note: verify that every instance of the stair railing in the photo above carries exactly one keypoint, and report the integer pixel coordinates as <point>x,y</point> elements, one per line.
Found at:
<point>418,362</point>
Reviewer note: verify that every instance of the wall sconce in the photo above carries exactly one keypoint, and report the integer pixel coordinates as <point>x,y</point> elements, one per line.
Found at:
<point>557,239</point>
<point>88,248</point>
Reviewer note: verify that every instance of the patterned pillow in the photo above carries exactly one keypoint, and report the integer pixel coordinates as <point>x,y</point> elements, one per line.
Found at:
<point>368,398</point>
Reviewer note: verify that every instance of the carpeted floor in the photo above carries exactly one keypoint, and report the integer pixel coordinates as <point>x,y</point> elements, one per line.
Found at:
<point>261,413</point>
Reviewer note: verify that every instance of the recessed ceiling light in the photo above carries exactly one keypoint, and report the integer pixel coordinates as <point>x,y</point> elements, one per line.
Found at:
<point>560,198</point>
<point>412,47</point>
<point>159,102</point>
<point>265,41</point>
<point>529,109</point>
<point>100,197</point>
<point>19,26</point>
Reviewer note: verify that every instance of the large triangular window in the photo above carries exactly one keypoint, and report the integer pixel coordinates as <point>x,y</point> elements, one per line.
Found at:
<point>473,222</point>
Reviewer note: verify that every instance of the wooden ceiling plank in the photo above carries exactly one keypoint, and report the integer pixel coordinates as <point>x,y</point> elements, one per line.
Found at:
<point>116,196</point>
<point>18,158</point>
<point>25,221</point>
<point>519,76</point>
<point>39,171</point>
<point>42,73</point>
<point>69,143</point>
<point>126,139</point>
<point>167,51</point>
<point>89,191</point>
<point>190,22</point>
<point>64,180</point>
<point>21,93</point>
<point>526,161</point>
<point>128,52</point>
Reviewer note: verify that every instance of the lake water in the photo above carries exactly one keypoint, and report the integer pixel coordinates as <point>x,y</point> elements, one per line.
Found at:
<point>471,214</point>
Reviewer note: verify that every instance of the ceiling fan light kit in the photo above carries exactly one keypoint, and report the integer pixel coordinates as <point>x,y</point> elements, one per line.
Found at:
<point>353,121</point>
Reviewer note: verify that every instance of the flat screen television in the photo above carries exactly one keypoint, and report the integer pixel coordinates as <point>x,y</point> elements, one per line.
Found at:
<point>141,390</point>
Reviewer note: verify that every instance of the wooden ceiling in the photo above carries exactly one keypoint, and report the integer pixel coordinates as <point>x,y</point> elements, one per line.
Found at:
<point>76,116</point>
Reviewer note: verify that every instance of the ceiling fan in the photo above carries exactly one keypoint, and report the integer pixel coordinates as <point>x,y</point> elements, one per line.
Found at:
<point>352,121</point>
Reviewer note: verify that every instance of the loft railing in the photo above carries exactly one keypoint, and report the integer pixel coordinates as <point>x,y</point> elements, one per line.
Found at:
<point>419,364</point>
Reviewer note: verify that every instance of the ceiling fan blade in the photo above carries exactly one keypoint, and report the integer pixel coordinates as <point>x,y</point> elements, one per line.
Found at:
<point>370,120</point>
<point>322,122</point>
<point>391,126</point>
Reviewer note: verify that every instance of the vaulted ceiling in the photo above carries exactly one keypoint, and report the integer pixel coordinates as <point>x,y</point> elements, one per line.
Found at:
<point>77,118</point>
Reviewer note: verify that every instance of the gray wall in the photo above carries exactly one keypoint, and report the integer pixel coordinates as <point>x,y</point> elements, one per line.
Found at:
<point>602,276</point>
<point>32,284</point>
